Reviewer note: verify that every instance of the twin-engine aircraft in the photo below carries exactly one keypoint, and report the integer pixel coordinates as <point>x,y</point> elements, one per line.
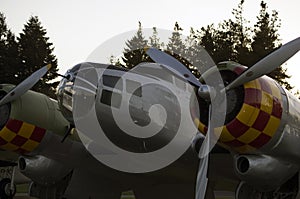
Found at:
<point>253,121</point>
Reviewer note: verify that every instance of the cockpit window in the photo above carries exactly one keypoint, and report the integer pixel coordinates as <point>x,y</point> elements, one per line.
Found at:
<point>111,98</point>
<point>112,81</point>
<point>134,87</point>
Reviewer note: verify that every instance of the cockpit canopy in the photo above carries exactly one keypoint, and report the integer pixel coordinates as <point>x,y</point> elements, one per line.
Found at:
<point>87,80</point>
<point>82,77</point>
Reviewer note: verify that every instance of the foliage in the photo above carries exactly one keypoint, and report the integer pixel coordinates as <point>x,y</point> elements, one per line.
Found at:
<point>20,57</point>
<point>9,59</point>
<point>134,53</point>
<point>232,39</point>
<point>36,51</point>
<point>266,40</point>
<point>154,40</point>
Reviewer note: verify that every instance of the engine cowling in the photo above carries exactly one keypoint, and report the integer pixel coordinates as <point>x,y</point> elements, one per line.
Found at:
<point>42,170</point>
<point>26,121</point>
<point>263,172</point>
<point>254,112</point>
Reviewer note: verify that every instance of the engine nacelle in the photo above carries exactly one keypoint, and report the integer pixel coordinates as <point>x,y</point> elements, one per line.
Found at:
<point>26,121</point>
<point>263,172</point>
<point>43,170</point>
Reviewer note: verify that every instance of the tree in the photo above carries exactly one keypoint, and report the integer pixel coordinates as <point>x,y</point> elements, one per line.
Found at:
<point>36,51</point>
<point>241,35</point>
<point>232,40</point>
<point>218,42</point>
<point>266,40</point>
<point>177,47</point>
<point>195,53</point>
<point>206,37</point>
<point>134,52</point>
<point>9,59</point>
<point>154,40</point>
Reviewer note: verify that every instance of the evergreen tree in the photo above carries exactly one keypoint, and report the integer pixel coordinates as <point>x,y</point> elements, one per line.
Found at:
<point>9,59</point>
<point>224,43</point>
<point>266,36</point>
<point>134,52</point>
<point>218,42</point>
<point>266,40</point>
<point>232,40</point>
<point>35,52</point>
<point>154,40</point>
<point>207,39</point>
<point>195,53</point>
<point>241,35</point>
<point>176,47</point>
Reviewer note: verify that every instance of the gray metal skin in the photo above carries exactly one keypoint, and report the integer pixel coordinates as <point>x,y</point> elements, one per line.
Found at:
<point>285,144</point>
<point>84,177</point>
<point>279,160</point>
<point>269,160</point>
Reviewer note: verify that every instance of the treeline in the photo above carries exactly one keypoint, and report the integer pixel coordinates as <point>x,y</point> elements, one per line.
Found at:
<point>232,39</point>
<point>21,56</point>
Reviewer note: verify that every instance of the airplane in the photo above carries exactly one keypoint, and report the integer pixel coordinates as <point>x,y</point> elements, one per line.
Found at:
<point>58,145</point>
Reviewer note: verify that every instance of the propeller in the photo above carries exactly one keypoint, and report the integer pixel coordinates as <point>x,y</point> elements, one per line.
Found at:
<point>264,66</point>
<point>203,155</point>
<point>172,64</point>
<point>267,64</point>
<point>25,85</point>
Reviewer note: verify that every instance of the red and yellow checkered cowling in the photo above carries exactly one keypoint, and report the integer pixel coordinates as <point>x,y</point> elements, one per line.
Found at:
<point>258,119</point>
<point>20,137</point>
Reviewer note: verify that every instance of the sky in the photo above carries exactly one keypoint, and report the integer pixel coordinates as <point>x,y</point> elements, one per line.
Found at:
<point>77,27</point>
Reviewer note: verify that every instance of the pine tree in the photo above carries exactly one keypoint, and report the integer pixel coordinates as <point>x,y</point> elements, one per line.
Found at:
<point>176,47</point>
<point>35,52</point>
<point>218,42</point>
<point>154,40</point>
<point>134,52</point>
<point>206,37</point>
<point>232,40</point>
<point>241,35</point>
<point>195,53</point>
<point>266,40</point>
<point>9,59</point>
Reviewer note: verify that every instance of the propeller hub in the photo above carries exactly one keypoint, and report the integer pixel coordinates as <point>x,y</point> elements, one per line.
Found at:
<point>207,93</point>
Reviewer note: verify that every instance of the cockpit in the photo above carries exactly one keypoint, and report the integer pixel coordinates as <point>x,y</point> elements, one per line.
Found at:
<point>81,79</point>
<point>87,80</point>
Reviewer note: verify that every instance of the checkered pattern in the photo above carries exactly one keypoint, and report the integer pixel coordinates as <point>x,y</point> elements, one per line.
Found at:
<point>20,136</point>
<point>258,119</point>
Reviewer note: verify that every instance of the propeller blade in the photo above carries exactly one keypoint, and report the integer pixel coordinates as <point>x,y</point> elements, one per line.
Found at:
<point>202,180</point>
<point>25,85</point>
<point>167,60</point>
<point>267,64</point>
<point>201,183</point>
